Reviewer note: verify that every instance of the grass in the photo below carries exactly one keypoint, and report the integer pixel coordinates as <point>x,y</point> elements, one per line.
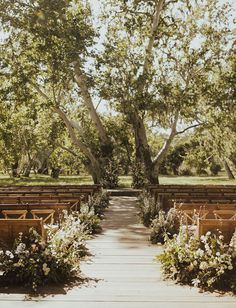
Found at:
<point>125,181</point>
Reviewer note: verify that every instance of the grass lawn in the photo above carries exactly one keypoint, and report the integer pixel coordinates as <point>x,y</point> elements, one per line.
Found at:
<point>125,181</point>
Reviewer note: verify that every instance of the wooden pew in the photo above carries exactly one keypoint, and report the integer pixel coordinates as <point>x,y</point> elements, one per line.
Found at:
<point>209,207</point>
<point>58,208</point>
<point>198,190</point>
<point>225,214</point>
<point>19,214</point>
<point>190,217</point>
<point>169,201</point>
<point>226,226</point>
<point>47,215</point>
<point>91,189</point>
<point>10,229</point>
<point>24,200</point>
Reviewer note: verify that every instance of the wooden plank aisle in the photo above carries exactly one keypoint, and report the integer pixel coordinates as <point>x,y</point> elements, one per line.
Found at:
<point>127,276</point>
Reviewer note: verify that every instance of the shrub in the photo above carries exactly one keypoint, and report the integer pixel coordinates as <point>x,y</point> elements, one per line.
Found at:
<point>138,176</point>
<point>33,263</point>
<point>206,262</point>
<point>110,175</point>
<point>164,225</point>
<point>90,220</point>
<point>148,209</point>
<point>99,202</point>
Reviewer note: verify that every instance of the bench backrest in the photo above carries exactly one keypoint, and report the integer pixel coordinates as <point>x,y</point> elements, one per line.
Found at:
<point>225,226</point>
<point>10,228</point>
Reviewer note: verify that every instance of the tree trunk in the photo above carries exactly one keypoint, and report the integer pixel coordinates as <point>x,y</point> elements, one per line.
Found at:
<point>228,171</point>
<point>28,169</point>
<point>14,169</point>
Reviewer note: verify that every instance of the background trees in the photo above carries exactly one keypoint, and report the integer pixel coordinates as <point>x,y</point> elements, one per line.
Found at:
<point>162,67</point>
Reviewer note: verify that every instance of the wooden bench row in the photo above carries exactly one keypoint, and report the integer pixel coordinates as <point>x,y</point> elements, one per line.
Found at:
<point>74,202</point>
<point>212,193</point>
<point>53,188</point>
<point>46,214</point>
<point>191,216</point>
<point>168,201</point>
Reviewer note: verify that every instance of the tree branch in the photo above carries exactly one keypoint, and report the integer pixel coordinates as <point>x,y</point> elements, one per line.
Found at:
<point>161,154</point>
<point>189,127</point>
<point>67,149</point>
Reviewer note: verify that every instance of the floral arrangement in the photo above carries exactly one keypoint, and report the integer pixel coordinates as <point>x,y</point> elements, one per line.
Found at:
<point>207,262</point>
<point>165,225</point>
<point>33,262</point>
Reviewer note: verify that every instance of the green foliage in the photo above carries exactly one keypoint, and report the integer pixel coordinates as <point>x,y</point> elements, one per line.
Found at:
<point>88,218</point>
<point>148,209</point>
<point>165,225</point>
<point>207,262</point>
<point>138,175</point>
<point>99,202</point>
<point>110,175</point>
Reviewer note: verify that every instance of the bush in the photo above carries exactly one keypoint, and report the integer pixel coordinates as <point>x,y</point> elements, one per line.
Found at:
<point>90,220</point>
<point>138,176</point>
<point>99,202</point>
<point>110,177</point>
<point>164,226</point>
<point>207,262</point>
<point>185,172</point>
<point>148,209</point>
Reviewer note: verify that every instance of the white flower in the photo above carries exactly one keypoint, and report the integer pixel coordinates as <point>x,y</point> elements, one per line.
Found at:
<point>46,269</point>
<point>20,248</point>
<point>203,265</point>
<point>195,282</point>
<point>9,254</point>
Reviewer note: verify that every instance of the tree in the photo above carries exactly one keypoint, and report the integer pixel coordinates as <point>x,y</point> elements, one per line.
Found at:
<point>150,69</point>
<point>46,51</point>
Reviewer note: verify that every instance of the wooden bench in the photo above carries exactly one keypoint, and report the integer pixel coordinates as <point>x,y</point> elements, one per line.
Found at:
<point>169,201</point>
<point>19,214</point>
<point>91,189</point>
<point>47,215</point>
<point>25,200</point>
<point>209,207</point>
<point>225,214</point>
<point>225,226</point>
<point>58,208</point>
<point>10,228</point>
<point>190,217</point>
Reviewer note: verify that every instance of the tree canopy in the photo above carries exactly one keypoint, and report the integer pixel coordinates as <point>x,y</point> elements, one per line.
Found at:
<point>163,68</point>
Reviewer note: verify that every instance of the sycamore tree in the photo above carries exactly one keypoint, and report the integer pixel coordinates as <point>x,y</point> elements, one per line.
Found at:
<point>220,92</point>
<point>45,54</point>
<point>156,56</point>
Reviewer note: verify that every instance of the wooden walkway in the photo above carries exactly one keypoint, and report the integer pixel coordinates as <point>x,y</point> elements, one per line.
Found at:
<point>124,272</point>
